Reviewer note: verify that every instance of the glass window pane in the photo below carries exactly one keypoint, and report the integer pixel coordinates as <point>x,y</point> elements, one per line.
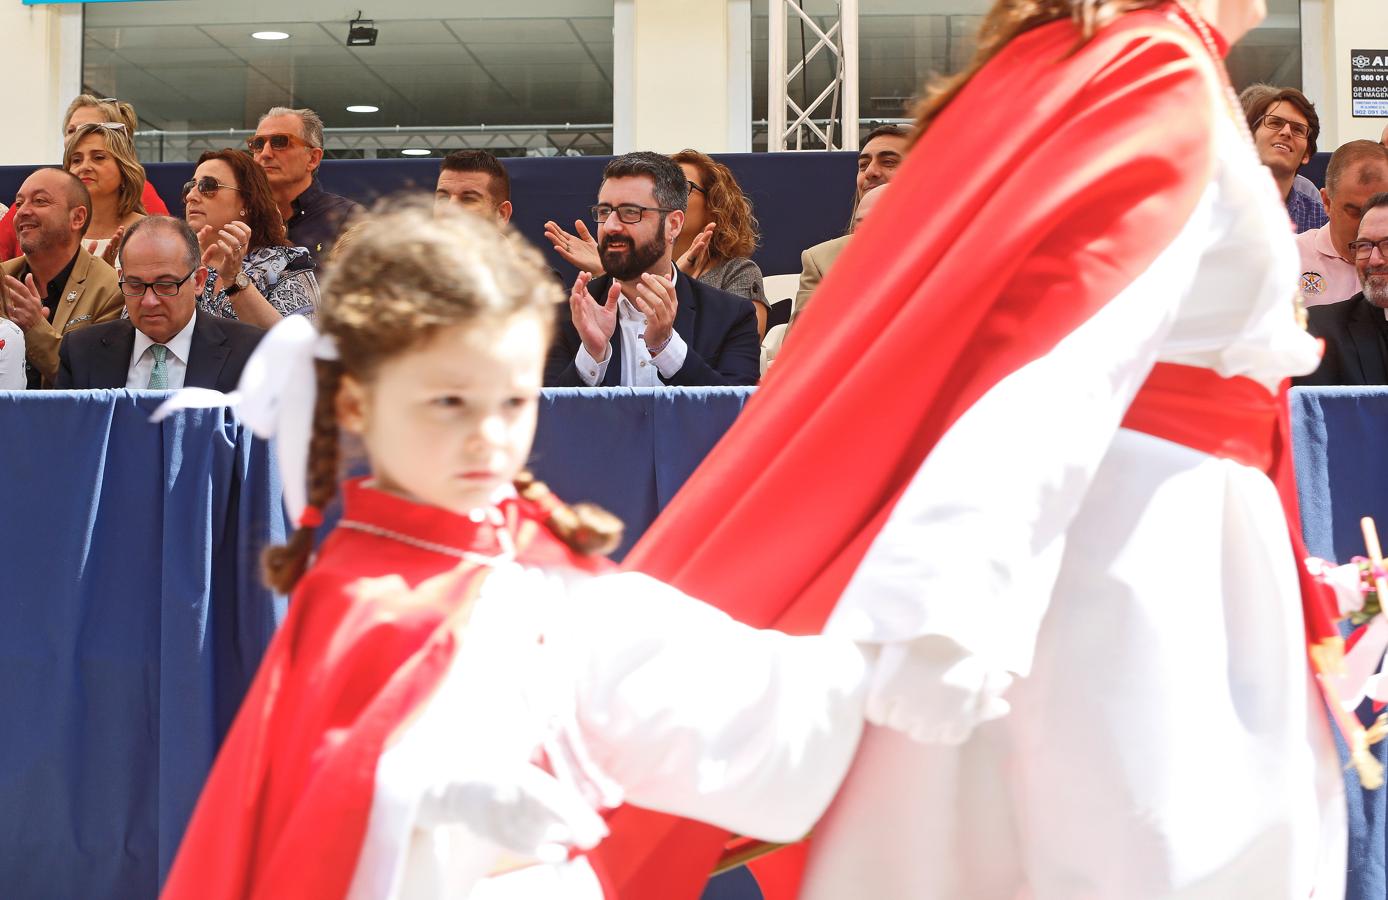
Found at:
<point>903,43</point>
<point>439,68</point>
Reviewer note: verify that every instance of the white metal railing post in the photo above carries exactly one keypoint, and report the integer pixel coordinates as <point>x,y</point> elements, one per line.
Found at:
<point>776,75</point>
<point>848,42</point>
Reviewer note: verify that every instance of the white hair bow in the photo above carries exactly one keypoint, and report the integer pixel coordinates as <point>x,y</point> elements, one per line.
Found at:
<point>274,398</point>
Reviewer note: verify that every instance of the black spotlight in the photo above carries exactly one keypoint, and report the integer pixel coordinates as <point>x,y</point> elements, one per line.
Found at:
<point>361,32</point>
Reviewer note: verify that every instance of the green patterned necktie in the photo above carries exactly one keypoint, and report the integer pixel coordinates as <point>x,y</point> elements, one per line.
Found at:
<point>159,375</point>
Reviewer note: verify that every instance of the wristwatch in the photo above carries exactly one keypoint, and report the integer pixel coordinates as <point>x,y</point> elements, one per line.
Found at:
<point>238,284</point>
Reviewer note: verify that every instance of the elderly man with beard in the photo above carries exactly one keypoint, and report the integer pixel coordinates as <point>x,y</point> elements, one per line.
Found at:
<point>1355,331</point>
<point>644,324</point>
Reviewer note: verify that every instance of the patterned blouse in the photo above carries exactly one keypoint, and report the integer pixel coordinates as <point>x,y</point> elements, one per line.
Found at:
<point>283,275</point>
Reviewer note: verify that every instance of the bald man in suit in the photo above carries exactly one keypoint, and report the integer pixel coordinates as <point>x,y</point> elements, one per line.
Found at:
<point>167,343</point>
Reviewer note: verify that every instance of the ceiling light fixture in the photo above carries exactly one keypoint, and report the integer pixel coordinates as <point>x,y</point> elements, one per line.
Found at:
<point>415,151</point>
<point>363,108</point>
<point>269,35</point>
<point>361,32</point>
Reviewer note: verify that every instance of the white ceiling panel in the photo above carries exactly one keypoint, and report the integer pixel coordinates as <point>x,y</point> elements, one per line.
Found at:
<point>513,31</point>
<point>301,34</point>
<point>150,36</point>
<point>568,54</point>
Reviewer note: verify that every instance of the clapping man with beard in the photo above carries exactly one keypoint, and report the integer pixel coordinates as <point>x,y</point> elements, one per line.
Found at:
<point>644,324</point>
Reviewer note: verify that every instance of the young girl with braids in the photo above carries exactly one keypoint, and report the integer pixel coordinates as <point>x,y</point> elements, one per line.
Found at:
<point>460,688</point>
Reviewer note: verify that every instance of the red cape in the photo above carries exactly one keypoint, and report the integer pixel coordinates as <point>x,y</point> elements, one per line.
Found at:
<point>284,811</point>
<point>1050,182</point>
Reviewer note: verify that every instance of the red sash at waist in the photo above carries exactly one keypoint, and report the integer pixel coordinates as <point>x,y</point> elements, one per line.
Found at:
<point>1232,418</point>
<point>1239,419</point>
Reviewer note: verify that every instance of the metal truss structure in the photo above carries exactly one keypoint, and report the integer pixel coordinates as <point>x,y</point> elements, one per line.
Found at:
<point>791,125</point>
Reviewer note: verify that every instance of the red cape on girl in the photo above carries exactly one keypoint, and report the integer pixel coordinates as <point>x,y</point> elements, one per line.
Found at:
<point>285,809</point>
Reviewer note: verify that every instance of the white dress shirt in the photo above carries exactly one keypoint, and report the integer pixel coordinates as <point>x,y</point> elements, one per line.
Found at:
<point>12,374</point>
<point>639,367</point>
<point>175,364</point>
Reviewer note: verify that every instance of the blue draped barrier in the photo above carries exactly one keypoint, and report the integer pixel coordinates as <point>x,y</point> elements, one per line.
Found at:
<point>1340,436</point>
<point>131,621</point>
<point>132,616</point>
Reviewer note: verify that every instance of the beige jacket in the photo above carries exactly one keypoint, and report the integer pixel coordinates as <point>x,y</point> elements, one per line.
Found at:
<point>91,295</point>
<point>814,265</point>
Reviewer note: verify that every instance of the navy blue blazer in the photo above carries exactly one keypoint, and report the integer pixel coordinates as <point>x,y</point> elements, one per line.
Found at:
<point>1356,337</point>
<point>98,356</point>
<point>719,329</point>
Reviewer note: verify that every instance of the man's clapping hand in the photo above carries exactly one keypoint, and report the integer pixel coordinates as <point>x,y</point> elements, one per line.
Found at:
<point>581,249</point>
<point>25,304</point>
<point>594,322</point>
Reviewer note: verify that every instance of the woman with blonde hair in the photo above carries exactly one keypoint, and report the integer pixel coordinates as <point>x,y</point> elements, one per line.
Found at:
<point>102,156</point>
<point>84,110</point>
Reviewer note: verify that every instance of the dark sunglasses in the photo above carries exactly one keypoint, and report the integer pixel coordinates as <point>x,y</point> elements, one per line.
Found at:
<point>206,185</point>
<point>277,141</point>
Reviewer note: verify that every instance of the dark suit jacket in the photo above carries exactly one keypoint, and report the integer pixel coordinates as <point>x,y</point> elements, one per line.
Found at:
<point>720,330</point>
<point>1353,331</point>
<point>99,356</point>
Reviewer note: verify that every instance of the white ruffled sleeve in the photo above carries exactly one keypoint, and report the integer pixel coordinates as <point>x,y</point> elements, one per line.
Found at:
<point>695,714</point>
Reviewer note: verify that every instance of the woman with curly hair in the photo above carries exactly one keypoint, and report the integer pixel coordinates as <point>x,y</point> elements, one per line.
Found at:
<point>255,275</point>
<point>102,156</point>
<point>720,232</point>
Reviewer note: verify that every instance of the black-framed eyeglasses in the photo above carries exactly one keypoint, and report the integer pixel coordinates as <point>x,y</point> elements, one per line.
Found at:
<point>1277,123</point>
<point>207,186</point>
<point>628,213</point>
<point>161,288</point>
<point>695,187</point>
<point>1365,249</point>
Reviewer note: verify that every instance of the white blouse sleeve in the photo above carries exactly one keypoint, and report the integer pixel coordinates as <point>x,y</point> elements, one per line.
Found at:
<point>695,714</point>
<point>973,547</point>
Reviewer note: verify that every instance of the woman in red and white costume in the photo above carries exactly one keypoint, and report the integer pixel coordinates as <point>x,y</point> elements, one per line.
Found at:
<point>1031,465</point>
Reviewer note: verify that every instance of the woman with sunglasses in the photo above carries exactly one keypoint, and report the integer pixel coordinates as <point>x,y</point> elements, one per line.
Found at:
<point>102,156</point>
<point>254,274</point>
<point>85,110</point>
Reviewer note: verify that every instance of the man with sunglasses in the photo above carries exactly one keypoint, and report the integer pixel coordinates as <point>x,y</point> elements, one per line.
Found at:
<point>643,324</point>
<point>1355,331</point>
<point>1285,127</point>
<point>288,145</point>
<point>165,344</point>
